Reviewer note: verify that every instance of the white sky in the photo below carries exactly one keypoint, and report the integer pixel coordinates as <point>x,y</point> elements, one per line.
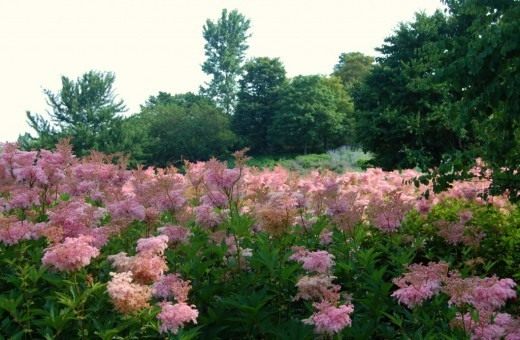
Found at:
<point>157,45</point>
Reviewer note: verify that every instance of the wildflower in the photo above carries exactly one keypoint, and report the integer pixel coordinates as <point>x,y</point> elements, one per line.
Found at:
<point>318,288</point>
<point>329,319</point>
<point>173,317</point>
<point>152,245</point>
<point>176,234</point>
<point>325,237</point>
<point>72,254</point>
<point>420,283</point>
<point>127,296</point>
<point>318,261</point>
<point>171,285</point>
<point>148,268</point>
<point>128,208</point>
<point>14,232</point>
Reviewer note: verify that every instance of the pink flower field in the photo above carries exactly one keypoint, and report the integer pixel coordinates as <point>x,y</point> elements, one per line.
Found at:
<point>90,249</point>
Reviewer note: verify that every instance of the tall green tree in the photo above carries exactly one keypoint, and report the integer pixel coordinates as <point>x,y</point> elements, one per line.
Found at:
<point>484,63</point>
<point>314,115</point>
<point>85,109</point>
<point>173,128</point>
<point>225,48</point>
<point>259,96</point>
<point>352,68</point>
<point>402,113</point>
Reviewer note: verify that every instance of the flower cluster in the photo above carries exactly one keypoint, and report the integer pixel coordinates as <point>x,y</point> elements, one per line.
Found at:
<point>72,254</point>
<point>329,315</point>
<point>484,295</point>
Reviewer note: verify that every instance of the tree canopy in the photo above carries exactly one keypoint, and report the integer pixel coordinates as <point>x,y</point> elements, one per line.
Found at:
<point>173,128</point>
<point>226,44</point>
<point>259,96</point>
<point>85,109</point>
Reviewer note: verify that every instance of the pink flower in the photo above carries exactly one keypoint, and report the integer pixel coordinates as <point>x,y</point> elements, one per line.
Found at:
<point>329,319</point>
<point>420,283</point>
<point>127,296</point>
<point>173,317</point>
<point>72,254</point>
<point>128,208</point>
<point>148,268</point>
<point>299,253</point>
<point>206,216</point>
<point>325,237</point>
<point>14,232</point>
<point>172,285</point>
<point>176,234</point>
<point>318,261</point>
<point>152,245</point>
<point>318,288</point>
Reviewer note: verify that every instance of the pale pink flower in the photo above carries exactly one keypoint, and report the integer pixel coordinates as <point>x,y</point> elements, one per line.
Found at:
<point>128,208</point>
<point>317,288</point>
<point>155,245</point>
<point>206,216</point>
<point>420,283</point>
<point>127,296</point>
<point>329,319</point>
<point>148,268</point>
<point>121,261</point>
<point>13,232</point>
<point>173,317</point>
<point>299,253</point>
<point>325,237</point>
<point>171,285</point>
<point>318,261</point>
<point>176,234</point>
<point>72,254</point>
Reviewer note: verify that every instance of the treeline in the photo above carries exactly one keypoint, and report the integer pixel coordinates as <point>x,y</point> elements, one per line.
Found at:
<point>444,90</point>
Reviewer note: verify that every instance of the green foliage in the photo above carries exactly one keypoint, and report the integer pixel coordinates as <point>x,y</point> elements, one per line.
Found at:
<point>84,109</point>
<point>224,49</point>
<point>314,115</point>
<point>258,98</point>
<point>485,66</point>
<point>400,106</point>
<point>170,129</point>
<point>352,68</point>
<point>445,91</point>
<point>338,160</point>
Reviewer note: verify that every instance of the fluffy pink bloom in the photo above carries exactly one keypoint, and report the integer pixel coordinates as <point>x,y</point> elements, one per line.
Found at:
<point>173,317</point>
<point>329,319</point>
<point>121,261</point>
<point>23,197</point>
<point>490,326</point>
<point>318,261</point>
<point>325,237</point>
<point>318,288</point>
<point>171,285</point>
<point>14,232</point>
<point>485,294</point>
<point>206,216</point>
<point>155,245</point>
<point>299,253</point>
<point>148,268</point>
<point>420,283</point>
<point>128,208</point>
<point>75,217</point>
<point>72,254</point>
<point>127,296</point>
<point>176,234</point>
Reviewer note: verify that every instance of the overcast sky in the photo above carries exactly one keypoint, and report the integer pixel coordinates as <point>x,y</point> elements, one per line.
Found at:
<point>157,45</point>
